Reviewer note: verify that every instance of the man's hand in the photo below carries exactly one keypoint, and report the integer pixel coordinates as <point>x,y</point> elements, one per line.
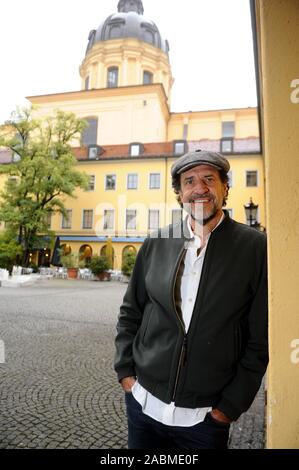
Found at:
<point>219,416</point>
<point>127,383</point>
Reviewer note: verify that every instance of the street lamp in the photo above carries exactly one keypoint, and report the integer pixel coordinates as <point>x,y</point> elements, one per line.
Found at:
<point>251,214</point>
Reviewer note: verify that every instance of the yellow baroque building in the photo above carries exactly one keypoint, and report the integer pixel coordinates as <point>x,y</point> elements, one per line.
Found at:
<point>133,138</point>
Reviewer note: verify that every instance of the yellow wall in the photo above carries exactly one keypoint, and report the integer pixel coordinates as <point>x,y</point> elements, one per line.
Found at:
<point>208,124</point>
<point>278,38</point>
<point>131,59</point>
<point>132,114</point>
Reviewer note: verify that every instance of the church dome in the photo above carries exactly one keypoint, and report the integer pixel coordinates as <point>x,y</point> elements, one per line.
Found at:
<point>129,22</point>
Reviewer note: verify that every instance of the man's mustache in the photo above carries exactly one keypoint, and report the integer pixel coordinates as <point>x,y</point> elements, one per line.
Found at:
<point>193,197</point>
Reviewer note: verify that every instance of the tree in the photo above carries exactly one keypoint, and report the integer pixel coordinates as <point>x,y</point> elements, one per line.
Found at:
<point>129,259</point>
<point>9,250</point>
<point>40,175</point>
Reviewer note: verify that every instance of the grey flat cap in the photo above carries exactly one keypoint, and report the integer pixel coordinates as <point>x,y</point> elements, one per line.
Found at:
<point>200,157</point>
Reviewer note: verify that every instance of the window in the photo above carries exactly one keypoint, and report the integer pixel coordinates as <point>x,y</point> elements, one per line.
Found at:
<point>228,129</point>
<point>228,134</point>
<point>67,220</point>
<point>177,216</point>
<point>49,219</point>
<point>149,36</point>
<point>251,178</point>
<point>136,149</point>
<point>230,178</point>
<point>108,219</point>
<point>91,183</point>
<point>132,181</point>
<point>87,83</point>
<point>112,77</point>
<point>180,147</point>
<point>87,218</point>
<point>153,219</point>
<point>94,152</point>
<point>110,184</point>
<point>230,212</point>
<point>226,145</point>
<point>90,133</point>
<point>185,131</point>
<point>131,219</point>
<point>154,181</point>
<point>147,77</point>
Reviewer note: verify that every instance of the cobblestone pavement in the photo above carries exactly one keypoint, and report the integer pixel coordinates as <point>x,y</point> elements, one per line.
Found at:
<point>57,385</point>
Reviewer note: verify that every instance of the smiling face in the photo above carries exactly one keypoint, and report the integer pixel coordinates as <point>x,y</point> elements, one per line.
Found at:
<point>202,192</point>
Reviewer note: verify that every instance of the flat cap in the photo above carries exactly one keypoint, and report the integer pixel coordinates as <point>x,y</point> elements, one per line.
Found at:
<point>199,157</point>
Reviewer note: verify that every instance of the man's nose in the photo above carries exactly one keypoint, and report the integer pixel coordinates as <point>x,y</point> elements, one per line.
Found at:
<point>201,185</point>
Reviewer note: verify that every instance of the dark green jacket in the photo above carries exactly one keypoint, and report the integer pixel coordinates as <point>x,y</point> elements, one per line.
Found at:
<point>223,357</point>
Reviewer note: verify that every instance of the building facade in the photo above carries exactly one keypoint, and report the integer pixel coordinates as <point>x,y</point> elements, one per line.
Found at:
<point>133,138</point>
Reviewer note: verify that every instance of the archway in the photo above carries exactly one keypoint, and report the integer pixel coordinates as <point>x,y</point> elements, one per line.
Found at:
<point>128,249</point>
<point>85,253</point>
<point>66,249</point>
<point>104,252</point>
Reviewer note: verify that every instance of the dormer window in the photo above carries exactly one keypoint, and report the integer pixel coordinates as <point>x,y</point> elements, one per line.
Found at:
<point>112,77</point>
<point>94,152</point>
<point>136,149</point>
<point>180,147</point>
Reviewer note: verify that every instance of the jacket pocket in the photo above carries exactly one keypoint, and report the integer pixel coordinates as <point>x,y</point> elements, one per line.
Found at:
<point>145,322</point>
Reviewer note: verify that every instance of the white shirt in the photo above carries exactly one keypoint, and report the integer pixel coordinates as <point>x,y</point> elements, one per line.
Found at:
<point>170,414</point>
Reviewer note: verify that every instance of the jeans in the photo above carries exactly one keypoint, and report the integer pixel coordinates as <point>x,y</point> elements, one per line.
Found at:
<point>146,433</point>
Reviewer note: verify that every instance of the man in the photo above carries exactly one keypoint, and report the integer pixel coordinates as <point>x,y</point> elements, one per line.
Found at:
<point>191,348</point>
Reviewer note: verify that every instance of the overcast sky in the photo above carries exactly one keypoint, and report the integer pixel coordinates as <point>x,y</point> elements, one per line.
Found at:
<point>44,42</point>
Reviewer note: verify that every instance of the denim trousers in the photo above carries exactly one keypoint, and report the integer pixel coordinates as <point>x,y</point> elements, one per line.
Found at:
<point>146,433</point>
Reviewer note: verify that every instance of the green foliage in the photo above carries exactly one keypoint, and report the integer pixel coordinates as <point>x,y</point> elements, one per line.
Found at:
<point>41,174</point>
<point>10,250</point>
<point>99,264</point>
<point>109,252</point>
<point>71,260</point>
<point>128,263</point>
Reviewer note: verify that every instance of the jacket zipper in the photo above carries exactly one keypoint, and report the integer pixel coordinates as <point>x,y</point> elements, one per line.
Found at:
<point>183,354</point>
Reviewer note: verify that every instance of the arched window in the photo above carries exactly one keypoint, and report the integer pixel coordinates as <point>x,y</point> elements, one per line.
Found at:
<point>87,83</point>
<point>112,77</point>
<point>147,77</point>
<point>90,133</point>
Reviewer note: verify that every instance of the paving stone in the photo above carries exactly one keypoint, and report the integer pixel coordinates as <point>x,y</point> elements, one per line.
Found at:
<point>58,387</point>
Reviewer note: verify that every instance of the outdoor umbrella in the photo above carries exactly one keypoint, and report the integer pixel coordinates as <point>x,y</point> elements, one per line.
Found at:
<point>55,260</point>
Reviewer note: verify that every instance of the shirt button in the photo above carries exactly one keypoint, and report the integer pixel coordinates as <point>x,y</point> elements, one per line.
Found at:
<point>190,300</point>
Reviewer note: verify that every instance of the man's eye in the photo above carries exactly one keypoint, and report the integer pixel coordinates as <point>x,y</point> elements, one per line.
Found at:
<point>209,179</point>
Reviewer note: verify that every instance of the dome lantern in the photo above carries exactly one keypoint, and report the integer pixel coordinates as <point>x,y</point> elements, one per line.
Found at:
<point>124,6</point>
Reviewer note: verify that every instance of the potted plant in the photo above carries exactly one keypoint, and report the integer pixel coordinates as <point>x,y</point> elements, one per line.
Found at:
<point>71,263</point>
<point>128,263</point>
<point>99,266</point>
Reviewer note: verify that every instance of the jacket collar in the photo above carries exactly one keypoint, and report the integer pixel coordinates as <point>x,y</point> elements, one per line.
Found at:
<point>186,235</point>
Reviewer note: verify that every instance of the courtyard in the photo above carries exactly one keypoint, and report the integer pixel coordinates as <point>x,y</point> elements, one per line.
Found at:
<point>58,387</point>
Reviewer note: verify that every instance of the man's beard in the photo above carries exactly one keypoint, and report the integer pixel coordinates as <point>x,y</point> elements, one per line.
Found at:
<point>198,215</point>
<point>205,220</point>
